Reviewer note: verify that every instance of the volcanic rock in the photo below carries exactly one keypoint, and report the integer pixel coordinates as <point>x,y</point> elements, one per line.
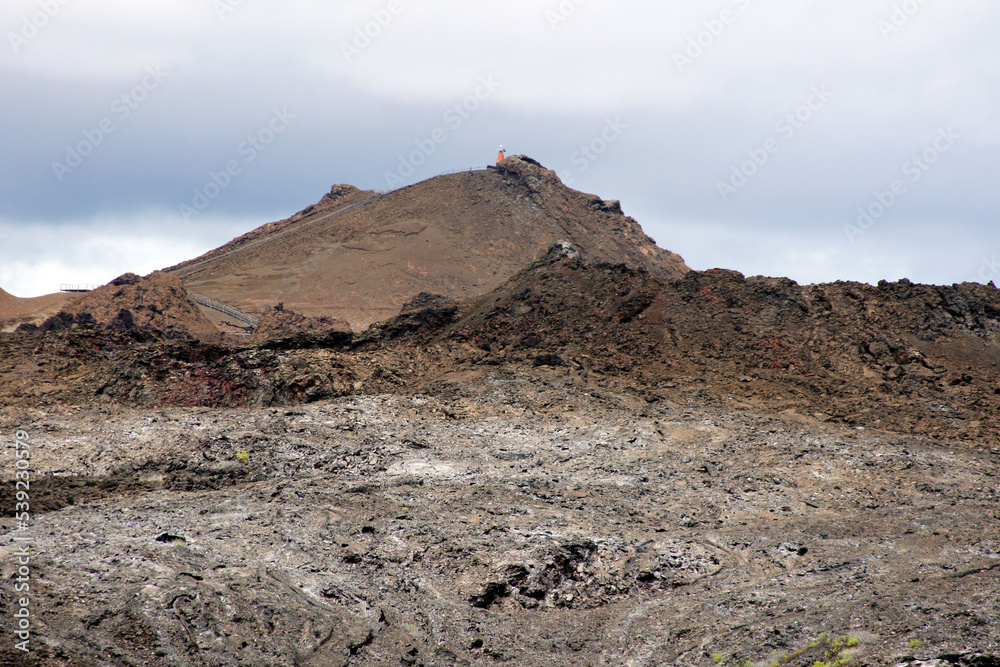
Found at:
<point>360,258</point>
<point>911,358</point>
<point>281,326</point>
<point>592,462</point>
<point>157,303</point>
<point>15,311</point>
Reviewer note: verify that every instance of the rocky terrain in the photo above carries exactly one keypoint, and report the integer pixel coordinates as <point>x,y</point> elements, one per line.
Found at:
<point>15,311</point>
<point>585,461</point>
<point>911,358</point>
<point>359,256</point>
<point>524,519</point>
<point>157,303</point>
<point>280,326</point>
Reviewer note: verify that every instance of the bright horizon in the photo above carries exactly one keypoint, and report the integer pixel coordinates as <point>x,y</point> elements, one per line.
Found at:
<point>857,142</point>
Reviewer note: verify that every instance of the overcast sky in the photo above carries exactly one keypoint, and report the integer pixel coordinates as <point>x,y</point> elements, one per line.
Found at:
<point>854,140</point>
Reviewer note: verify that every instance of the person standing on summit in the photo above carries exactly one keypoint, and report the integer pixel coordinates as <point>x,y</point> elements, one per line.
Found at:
<point>501,155</point>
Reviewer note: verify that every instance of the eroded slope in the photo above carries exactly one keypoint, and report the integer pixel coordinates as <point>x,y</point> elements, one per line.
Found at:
<point>459,235</point>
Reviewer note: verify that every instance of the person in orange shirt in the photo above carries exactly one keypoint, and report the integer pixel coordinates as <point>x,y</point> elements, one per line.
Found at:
<point>501,154</point>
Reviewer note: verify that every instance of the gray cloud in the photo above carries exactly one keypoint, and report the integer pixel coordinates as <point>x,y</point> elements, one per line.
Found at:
<point>695,92</point>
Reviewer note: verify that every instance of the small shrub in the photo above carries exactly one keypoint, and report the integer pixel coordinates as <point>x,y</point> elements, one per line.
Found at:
<point>825,651</point>
<point>242,456</point>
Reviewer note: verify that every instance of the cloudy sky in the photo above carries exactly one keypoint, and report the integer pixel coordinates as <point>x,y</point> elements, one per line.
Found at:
<point>854,140</point>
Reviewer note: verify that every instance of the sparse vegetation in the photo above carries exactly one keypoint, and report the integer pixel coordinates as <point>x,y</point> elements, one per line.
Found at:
<point>822,652</point>
<point>242,456</point>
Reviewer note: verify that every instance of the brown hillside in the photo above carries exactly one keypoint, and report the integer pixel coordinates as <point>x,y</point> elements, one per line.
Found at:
<point>157,302</point>
<point>587,465</point>
<point>338,198</point>
<point>908,358</point>
<point>15,310</point>
<point>898,356</point>
<point>459,235</point>
<point>280,325</point>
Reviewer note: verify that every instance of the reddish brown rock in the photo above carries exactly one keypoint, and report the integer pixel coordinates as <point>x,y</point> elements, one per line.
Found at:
<point>157,303</point>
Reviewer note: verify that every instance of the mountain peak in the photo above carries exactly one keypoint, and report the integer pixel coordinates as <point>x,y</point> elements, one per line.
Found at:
<point>359,255</point>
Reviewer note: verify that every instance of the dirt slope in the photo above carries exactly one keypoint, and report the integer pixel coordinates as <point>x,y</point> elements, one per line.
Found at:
<point>338,198</point>
<point>910,358</point>
<point>279,324</point>
<point>15,310</point>
<point>587,465</point>
<point>459,236</point>
<point>156,303</point>
<point>525,519</point>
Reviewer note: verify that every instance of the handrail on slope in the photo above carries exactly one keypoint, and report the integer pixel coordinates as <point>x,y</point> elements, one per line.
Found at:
<point>225,308</point>
<point>187,270</point>
<point>463,170</point>
<point>378,194</point>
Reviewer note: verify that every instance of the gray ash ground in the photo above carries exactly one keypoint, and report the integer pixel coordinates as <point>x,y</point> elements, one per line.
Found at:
<point>586,466</point>
<point>518,518</point>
